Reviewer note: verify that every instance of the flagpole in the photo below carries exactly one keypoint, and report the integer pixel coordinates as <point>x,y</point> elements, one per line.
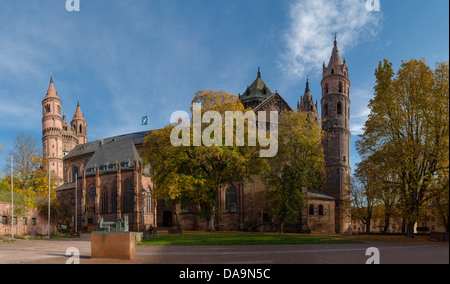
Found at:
<point>76,203</point>
<point>49,201</point>
<point>12,199</point>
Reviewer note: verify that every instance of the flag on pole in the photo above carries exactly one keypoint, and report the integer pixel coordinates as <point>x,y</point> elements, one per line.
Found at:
<point>145,120</point>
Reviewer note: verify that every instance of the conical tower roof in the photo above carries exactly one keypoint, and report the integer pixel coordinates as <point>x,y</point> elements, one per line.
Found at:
<point>78,114</point>
<point>51,93</point>
<point>335,56</point>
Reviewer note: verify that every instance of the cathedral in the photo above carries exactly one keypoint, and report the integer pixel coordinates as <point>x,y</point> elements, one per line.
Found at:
<point>108,179</point>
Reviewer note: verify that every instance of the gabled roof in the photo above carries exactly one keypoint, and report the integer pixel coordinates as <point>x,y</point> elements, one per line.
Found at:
<point>266,103</point>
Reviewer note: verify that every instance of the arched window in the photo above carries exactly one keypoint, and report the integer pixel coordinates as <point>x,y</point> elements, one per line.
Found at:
<point>74,174</point>
<point>311,210</point>
<point>332,71</point>
<point>114,200</point>
<point>320,210</point>
<point>128,197</point>
<point>231,200</point>
<point>341,89</point>
<point>325,109</point>
<point>81,129</point>
<point>104,201</point>
<point>339,108</point>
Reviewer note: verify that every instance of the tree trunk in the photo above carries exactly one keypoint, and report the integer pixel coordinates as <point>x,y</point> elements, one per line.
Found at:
<point>387,222</point>
<point>282,227</point>
<point>410,230</point>
<point>403,226</point>
<point>368,227</point>
<point>211,220</point>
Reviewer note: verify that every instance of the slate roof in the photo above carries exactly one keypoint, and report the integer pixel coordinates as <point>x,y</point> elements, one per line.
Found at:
<point>89,148</point>
<point>122,150</point>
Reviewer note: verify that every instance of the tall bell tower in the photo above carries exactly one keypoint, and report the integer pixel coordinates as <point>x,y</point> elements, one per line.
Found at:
<point>52,124</point>
<point>336,141</point>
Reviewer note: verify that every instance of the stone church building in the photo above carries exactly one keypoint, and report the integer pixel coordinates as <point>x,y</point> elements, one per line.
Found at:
<point>108,178</point>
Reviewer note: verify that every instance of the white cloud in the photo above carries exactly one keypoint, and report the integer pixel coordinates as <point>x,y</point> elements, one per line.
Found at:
<point>360,109</point>
<point>313,24</point>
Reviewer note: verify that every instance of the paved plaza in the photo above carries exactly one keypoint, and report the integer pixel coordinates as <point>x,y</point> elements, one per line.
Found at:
<point>54,252</point>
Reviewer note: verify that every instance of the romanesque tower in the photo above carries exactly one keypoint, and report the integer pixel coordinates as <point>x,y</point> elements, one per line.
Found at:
<point>58,137</point>
<point>336,142</point>
<point>52,124</point>
<point>79,125</point>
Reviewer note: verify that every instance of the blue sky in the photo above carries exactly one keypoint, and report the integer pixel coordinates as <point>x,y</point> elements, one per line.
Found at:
<point>126,59</point>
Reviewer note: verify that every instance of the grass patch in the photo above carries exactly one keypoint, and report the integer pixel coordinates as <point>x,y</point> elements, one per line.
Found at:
<point>240,238</point>
<point>391,239</point>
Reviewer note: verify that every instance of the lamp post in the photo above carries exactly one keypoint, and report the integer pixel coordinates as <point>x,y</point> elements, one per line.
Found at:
<point>145,193</point>
<point>12,199</point>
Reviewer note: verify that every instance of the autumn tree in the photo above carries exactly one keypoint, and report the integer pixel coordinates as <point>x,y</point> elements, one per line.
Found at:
<point>30,175</point>
<point>191,173</point>
<point>298,165</point>
<point>408,124</point>
<point>363,200</point>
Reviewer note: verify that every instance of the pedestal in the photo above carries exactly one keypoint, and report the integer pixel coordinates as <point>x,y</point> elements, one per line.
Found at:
<point>113,245</point>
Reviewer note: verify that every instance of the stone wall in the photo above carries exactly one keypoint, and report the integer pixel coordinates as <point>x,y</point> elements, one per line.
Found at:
<point>33,221</point>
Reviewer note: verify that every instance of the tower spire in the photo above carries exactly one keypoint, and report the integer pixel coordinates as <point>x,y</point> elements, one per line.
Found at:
<point>307,84</point>
<point>259,72</point>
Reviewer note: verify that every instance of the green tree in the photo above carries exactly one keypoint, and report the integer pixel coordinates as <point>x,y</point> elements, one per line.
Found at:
<point>193,175</point>
<point>298,165</point>
<point>409,124</point>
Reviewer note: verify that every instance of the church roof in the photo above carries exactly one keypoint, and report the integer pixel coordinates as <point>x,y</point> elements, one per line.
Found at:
<point>266,103</point>
<point>115,151</point>
<point>89,148</point>
<point>318,194</point>
<point>257,90</point>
